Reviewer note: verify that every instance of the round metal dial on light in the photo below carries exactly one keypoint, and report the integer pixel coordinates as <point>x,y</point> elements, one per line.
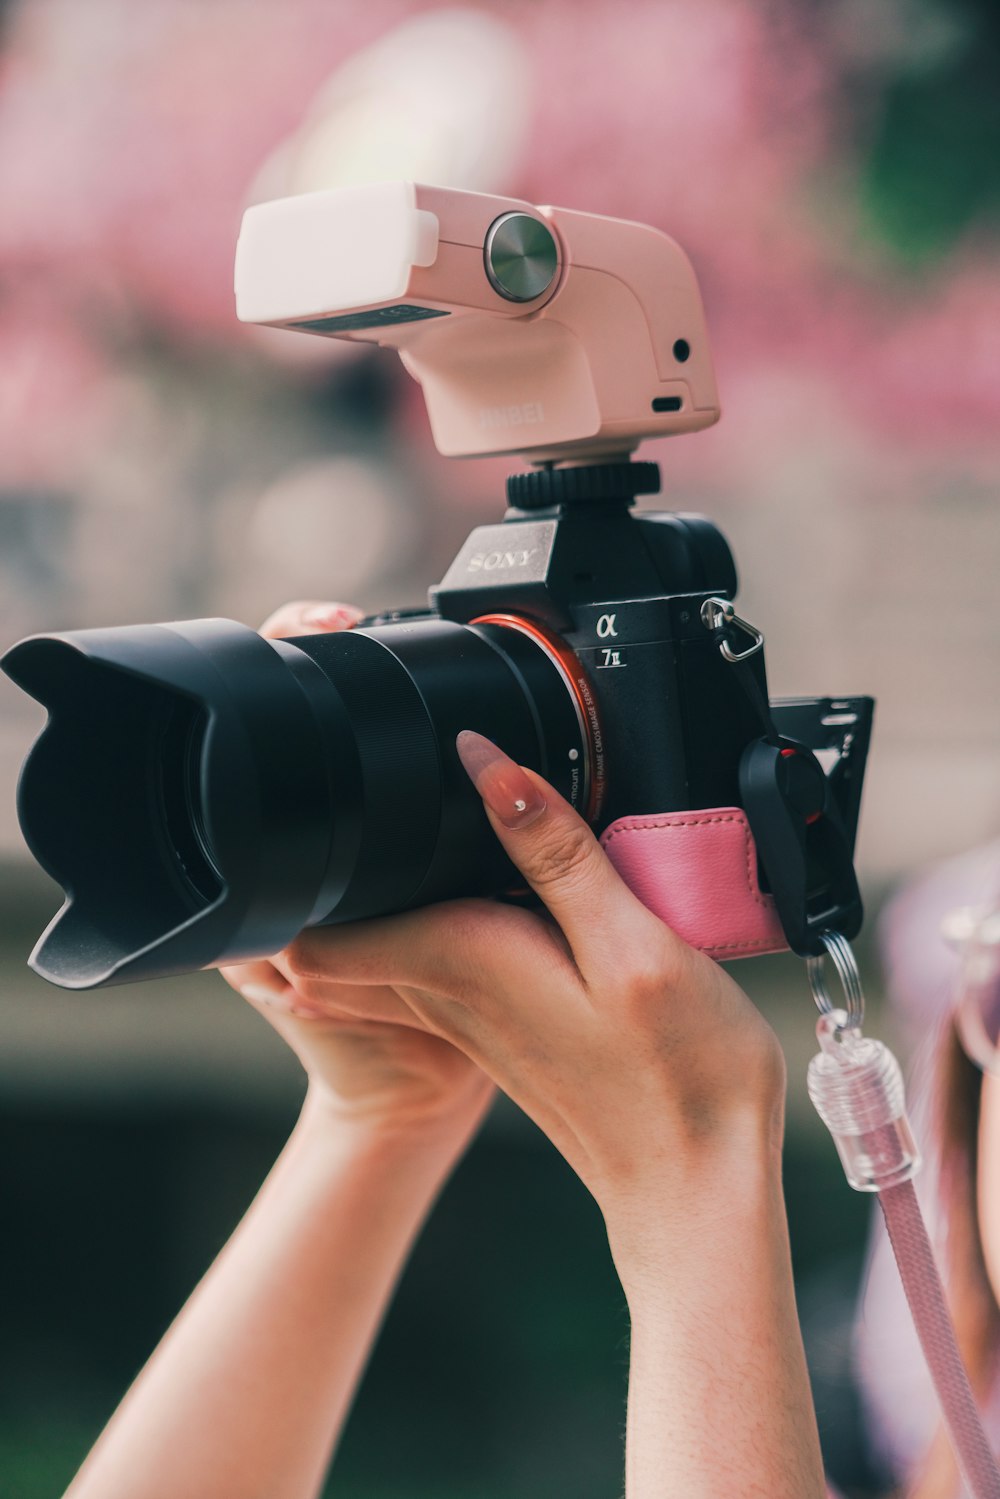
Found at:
<point>521,257</point>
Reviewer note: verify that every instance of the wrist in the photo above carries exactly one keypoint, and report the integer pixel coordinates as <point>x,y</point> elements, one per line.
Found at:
<point>704,1199</point>
<point>394,1130</point>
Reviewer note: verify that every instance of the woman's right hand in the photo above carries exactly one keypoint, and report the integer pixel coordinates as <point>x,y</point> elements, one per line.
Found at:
<point>664,1089</point>
<point>638,1056</point>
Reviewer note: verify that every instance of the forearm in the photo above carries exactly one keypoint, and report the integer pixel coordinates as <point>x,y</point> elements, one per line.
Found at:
<point>248,1390</point>
<point>719,1396</point>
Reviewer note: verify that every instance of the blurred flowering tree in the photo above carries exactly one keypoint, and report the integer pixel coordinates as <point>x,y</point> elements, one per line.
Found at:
<point>811,157</point>
<point>832,169</point>
<point>814,159</point>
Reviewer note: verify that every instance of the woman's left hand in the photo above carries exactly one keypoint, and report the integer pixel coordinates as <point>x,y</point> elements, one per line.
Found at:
<point>367,1056</point>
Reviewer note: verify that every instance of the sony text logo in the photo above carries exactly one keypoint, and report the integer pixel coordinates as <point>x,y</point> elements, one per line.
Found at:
<point>489,562</point>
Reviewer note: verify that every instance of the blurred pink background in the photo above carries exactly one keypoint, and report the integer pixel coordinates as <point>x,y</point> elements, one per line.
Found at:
<point>157,459</point>
<point>833,170</point>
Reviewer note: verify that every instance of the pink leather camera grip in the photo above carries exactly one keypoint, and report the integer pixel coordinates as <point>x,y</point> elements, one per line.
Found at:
<point>697,871</point>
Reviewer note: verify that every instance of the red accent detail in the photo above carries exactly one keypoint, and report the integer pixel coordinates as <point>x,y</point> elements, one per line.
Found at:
<point>570,663</point>
<point>813,816</point>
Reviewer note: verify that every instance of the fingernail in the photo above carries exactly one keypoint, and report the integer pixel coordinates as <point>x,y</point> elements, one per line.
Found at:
<point>331,617</point>
<point>501,783</point>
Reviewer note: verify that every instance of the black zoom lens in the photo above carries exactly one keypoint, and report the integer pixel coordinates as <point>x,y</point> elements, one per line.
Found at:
<point>202,794</point>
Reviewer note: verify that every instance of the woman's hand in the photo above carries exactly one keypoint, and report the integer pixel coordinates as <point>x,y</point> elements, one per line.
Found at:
<point>249,1389</point>
<point>367,1056</point>
<point>639,1057</point>
<point>663,1088</point>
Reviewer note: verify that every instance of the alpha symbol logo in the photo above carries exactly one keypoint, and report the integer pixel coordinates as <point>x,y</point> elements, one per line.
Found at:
<point>606,627</point>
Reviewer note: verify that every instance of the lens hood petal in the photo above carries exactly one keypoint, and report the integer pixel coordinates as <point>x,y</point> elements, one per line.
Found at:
<point>150,730</point>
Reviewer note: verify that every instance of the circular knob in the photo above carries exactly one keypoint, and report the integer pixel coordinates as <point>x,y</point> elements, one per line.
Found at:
<point>597,483</point>
<point>521,257</point>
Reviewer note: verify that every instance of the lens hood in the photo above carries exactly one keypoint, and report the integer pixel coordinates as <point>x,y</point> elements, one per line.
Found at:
<point>161,797</point>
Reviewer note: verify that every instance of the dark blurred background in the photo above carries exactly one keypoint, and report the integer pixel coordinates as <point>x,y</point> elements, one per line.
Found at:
<point>833,171</point>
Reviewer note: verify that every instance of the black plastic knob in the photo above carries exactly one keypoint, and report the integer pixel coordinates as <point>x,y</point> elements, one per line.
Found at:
<point>596,484</point>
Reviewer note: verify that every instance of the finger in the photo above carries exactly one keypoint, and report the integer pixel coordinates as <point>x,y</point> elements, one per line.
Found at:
<point>561,859</point>
<point>309,617</point>
<point>264,987</point>
<point>275,985</point>
<point>461,955</point>
<point>323,994</point>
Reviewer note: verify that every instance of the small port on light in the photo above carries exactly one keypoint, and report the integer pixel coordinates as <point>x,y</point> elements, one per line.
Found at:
<point>667,403</point>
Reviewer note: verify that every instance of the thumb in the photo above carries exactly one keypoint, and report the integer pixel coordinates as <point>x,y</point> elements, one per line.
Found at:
<point>558,855</point>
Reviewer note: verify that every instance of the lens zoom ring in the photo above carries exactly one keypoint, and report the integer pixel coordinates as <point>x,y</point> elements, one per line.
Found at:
<point>397,748</point>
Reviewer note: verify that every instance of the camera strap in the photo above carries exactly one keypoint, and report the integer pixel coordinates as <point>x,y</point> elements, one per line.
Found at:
<point>855,1082</point>
<point>856,1086</point>
<point>802,844</point>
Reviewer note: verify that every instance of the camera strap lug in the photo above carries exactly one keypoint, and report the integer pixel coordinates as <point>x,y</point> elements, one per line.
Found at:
<point>719,616</point>
<point>730,634</point>
<point>802,843</point>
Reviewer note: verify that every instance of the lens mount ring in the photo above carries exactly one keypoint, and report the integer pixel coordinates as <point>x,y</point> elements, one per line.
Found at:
<point>570,669</point>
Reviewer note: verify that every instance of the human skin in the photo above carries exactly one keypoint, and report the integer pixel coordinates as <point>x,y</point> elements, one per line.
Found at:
<point>641,1060</point>
<point>663,1087</point>
<point>248,1390</point>
<point>988,1177</point>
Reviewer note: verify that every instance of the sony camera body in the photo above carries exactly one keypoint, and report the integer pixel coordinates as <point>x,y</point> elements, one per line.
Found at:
<point>202,794</point>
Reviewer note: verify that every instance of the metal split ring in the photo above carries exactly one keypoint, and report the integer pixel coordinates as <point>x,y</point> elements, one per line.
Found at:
<point>839,950</point>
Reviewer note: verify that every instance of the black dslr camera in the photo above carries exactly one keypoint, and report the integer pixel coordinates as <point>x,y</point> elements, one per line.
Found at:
<point>202,794</point>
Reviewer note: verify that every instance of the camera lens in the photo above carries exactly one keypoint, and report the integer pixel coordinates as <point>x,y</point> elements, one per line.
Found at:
<point>178,768</point>
<point>202,794</point>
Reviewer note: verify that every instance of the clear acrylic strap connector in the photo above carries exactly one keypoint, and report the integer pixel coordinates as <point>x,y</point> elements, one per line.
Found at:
<point>856,1084</point>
